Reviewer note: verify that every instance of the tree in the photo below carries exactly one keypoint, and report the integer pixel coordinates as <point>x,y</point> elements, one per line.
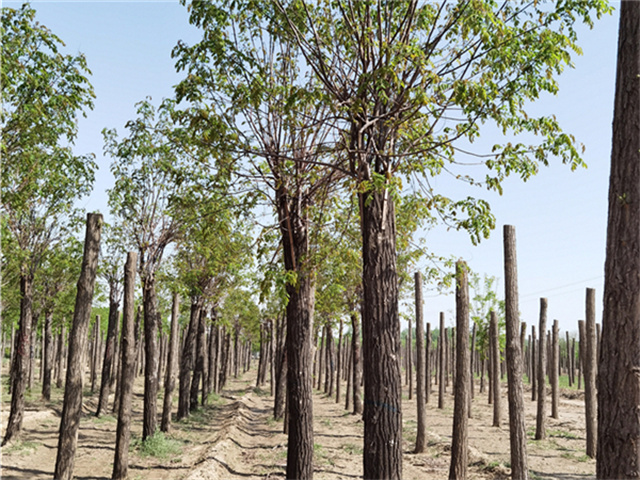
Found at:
<point>145,185</point>
<point>43,93</point>
<point>411,84</point>
<point>618,424</point>
<point>266,113</point>
<point>72,406</point>
<point>55,281</point>
<point>112,272</point>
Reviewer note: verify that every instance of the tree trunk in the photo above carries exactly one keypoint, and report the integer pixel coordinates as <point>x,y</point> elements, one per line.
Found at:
<point>472,365</point>
<point>494,339</point>
<point>224,362</point>
<point>328,361</point>
<point>151,321</point>
<point>534,368</point>
<point>569,364</point>
<point>358,407</point>
<point>460,438</point>
<point>421,436</point>
<point>590,372</point>
<point>109,351</point>
<point>47,357</point>
<point>542,382</point>
<point>443,359</point>
<point>60,354</point>
<point>127,369</point>
<point>72,406</point>
<point>199,365</point>
<point>186,361</point>
<point>427,364</point>
<point>94,353</point>
<point>347,400</point>
<point>409,362</point>
<point>170,380</point>
<point>339,361</point>
<point>518,435</point>
<point>553,372</point>
<point>618,455</point>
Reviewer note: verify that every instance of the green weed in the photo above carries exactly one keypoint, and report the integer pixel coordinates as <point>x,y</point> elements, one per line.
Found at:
<point>157,446</point>
<point>21,448</point>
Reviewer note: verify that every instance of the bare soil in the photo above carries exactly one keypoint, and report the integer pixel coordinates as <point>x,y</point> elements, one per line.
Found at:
<point>235,438</point>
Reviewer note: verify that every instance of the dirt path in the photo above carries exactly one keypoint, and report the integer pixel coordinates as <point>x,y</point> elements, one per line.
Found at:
<point>235,438</point>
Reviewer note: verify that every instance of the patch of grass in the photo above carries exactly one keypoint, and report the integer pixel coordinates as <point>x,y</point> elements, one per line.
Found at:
<point>104,419</point>
<point>562,434</point>
<point>21,448</point>
<point>260,392</point>
<point>157,446</point>
<point>583,458</point>
<point>352,449</point>
<point>327,423</point>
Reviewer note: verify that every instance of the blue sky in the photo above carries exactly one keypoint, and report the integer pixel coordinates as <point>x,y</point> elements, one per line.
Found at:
<point>560,216</point>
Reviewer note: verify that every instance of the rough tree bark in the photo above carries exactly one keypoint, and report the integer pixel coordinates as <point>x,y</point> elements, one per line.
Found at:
<point>553,371</point>
<point>541,417</point>
<point>427,364</point>
<point>442,360</point>
<point>534,368</point>
<point>198,372</point>
<point>170,380</point>
<point>517,430</point>
<point>60,354</point>
<point>68,439</point>
<point>127,369</point>
<point>495,354</point>
<point>20,364</point>
<point>357,364</point>
<point>460,439</point>
<point>339,362</point>
<point>590,372</point>
<point>112,334</point>
<point>186,360</point>
<point>421,436</point>
<point>151,321</point>
<point>618,455</point>
<point>47,357</point>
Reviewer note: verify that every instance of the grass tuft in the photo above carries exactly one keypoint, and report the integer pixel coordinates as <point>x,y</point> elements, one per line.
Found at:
<point>157,446</point>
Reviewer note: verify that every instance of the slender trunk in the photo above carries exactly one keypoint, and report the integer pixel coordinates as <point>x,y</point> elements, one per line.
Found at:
<point>460,438</point>
<point>127,368</point>
<point>199,364</point>
<point>347,400</point>
<point>186,360</point>
<point>109,351</point>
<point>60,354</point>
<point>534,368</point>
<point>495,354</point>
<point>409,362</point>
<point>339,361</point>
<point>427,365</point>
<point>421,435</point>
<point>590,372</point>
<point>358,407</point>
<point>72,406</point>
<point>542,384</point>
<point>151,321</point>
<point>569,364</point>
<point>47,357</point>
<point>518,435</point>
<point>95,353</point>
<point>442,351</point>
<point>553,371</point>
<point>170,380</point>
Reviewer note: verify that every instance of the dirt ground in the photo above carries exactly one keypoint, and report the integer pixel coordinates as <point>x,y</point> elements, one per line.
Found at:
<point>235,438</point>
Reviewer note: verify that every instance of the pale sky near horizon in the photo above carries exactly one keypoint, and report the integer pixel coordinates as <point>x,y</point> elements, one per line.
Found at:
<point>559,215</point>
